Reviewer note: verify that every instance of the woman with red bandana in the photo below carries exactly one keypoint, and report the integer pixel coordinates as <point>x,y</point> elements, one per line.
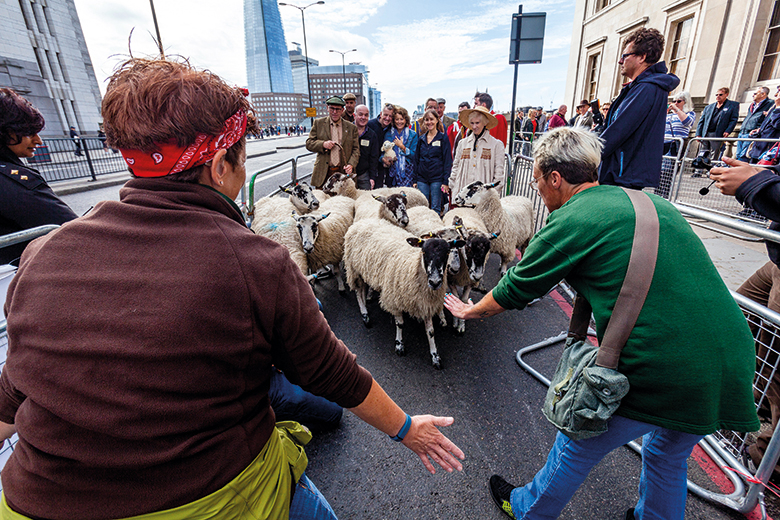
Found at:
<point>144,390</point>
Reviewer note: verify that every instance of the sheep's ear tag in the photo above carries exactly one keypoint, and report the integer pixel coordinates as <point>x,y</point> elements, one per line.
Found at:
<point>493,185</point>
<point>284,189</point>
<point>426,235</point>
<point>495,235</point>
<point>457,243</point>
<point>415,242</point>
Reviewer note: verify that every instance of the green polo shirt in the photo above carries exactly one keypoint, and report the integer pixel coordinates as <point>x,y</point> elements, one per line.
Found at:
<point>690,358</point>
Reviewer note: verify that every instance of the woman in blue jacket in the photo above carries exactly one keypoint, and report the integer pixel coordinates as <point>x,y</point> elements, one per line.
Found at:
<point>405,141</point>
<point>433,161</point>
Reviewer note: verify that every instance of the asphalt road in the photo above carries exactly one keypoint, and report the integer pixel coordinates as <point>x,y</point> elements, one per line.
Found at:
<point>495,403</point>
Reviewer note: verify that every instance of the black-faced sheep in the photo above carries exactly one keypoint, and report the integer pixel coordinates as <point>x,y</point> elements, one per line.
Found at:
<point>343,184</point>
<point>513,216</point>
<point>408,271</point>
<point>391,208</point>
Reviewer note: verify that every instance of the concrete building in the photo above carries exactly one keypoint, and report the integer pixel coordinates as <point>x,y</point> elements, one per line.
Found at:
<point>298,61</point>
<point>329,80</point>
<point>709,44</point>
<point>283,109</point>
<point>43,57</point>
<point>268,67</point>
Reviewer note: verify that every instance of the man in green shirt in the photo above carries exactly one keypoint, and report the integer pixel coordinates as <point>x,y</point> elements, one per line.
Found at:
<point>688,377</point>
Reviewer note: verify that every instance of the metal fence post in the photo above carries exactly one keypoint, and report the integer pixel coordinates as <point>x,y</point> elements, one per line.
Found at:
<point>89,159</point>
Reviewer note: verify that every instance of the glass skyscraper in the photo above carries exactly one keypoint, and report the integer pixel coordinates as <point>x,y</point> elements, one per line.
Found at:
<point>268,66</point>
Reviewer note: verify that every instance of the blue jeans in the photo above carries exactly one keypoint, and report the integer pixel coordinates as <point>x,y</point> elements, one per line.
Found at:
<point>662,484</point>
<point>308,503</point>
<point>292,403</point>
<point>432,192</point>
<point>742,146</point>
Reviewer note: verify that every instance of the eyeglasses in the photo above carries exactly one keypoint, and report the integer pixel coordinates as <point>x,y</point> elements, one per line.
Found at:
<point>679,101</point>
<point>626,55</point>
<point>534,183</point>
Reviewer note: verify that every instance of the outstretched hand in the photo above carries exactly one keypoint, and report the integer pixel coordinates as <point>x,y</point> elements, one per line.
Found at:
<point>456,306</point>
<point>425,439</point>
<point>727,180</point>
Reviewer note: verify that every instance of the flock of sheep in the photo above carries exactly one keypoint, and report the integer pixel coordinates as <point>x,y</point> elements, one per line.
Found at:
<point>390,242</point>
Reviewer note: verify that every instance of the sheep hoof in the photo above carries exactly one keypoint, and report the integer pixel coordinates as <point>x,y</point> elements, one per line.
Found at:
<point>366,320</point>
<point>460,329</point>
<point>436,361</point>
<point>399,348</point>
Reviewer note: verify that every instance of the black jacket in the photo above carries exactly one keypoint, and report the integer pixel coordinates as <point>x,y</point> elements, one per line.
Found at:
<point>368,164</point>
<point>754,119</point>
<point>26,201</point>
<point>761,192</point>
<point>725,122</point>
<point>769,129</point>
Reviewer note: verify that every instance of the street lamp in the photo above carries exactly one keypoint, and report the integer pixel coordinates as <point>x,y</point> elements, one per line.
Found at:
<point>343,67</point>
<point>305,49</point>
<point>157,29</point>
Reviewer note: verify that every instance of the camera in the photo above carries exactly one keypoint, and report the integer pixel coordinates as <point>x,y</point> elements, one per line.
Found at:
<point>595,107</point>
<point>702,161</point>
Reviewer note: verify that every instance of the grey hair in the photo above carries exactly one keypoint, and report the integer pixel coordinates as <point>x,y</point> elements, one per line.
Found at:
<point>686,97</point>
<point>575,153</point>
<point>765,90</point>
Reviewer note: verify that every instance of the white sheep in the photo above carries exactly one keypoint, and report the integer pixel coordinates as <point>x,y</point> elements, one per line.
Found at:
<point>329,241</point>
<point>391,208</point>
<point>474,255</point>
<point>274,220</point>
<point>513,216</point>
<point>343,184</point>
<point>410,279</point>
<point>303,197</point>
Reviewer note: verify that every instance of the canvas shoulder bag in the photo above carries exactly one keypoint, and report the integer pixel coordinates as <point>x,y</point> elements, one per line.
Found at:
<point>586,388</point>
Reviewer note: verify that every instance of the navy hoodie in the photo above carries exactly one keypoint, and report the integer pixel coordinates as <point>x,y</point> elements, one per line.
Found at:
<point>634,137</point>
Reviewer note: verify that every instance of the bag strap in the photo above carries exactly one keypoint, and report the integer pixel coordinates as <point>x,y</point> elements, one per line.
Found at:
<point>636,284</point>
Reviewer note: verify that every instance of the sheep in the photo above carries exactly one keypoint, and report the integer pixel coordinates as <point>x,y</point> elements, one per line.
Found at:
<point>391,208</point>
<point>474,254</point>
<point>387,151</point>
<point>411,280</point>
<point>513,216</point>
<point>303,197</point>
<point>274,220</point>
<point>343,184</point>
<point>328,247</point>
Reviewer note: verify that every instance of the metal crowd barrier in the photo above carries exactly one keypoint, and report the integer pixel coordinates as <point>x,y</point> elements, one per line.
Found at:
<point>518,177</point>
<point>726,448</point>
<point>248,201</point>
<point>61,159</point>
<point>11,239</point>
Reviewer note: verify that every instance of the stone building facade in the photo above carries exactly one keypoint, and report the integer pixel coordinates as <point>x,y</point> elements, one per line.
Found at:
<point>709,44</point>
<point>44,57</point>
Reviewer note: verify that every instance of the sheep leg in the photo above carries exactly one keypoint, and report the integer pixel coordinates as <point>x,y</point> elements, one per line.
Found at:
<point>432,343</point>
<point>442,318</point>
<point>360,292</point>
<point>458,323</point>
<point>399,331</point>
<point>339,279</point>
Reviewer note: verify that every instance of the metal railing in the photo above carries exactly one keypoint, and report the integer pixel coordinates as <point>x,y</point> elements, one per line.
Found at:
<point>248,201</point>
<point>64,159</point>
<point>11,239</point>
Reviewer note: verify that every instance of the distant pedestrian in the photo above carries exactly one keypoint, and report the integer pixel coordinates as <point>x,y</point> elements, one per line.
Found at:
<point>717,120</point>
<point>559,118</point>
<point>679,122</point>
<point>756,113</point>
<point>76,139</point>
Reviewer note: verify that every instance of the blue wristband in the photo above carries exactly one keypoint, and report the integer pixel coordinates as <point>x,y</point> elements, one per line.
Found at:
<point>404,430</point>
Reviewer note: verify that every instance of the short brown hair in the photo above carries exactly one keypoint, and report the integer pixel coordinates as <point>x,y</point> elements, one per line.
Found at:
<point>150,101</point>
<point>648,43</point>
<point>399,110</point>
<point>18,118</point>
<point>725,90</point>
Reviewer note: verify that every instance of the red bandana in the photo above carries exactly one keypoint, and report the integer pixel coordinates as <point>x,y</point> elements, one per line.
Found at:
<point>171,158</point>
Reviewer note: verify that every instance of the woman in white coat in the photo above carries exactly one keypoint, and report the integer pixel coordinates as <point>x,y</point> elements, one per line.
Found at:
<point>479,156</point>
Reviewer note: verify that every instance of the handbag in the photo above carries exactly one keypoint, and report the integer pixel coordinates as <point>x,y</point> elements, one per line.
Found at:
<point>586,388</point>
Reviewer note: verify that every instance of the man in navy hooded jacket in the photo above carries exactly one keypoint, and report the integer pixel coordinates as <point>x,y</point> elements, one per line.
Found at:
<point>634,137</point>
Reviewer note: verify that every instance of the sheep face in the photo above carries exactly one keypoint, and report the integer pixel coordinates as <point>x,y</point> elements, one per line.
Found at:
<point>435,253</point>
<point>302,197</point>
<point>476,252</point>
<point>336,183</point>
<point>449,234</point>
<point>473,194</point>
<point>396,205</point>
<point>308,229</point>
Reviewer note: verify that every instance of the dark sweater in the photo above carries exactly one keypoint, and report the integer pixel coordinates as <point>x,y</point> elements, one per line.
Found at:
<point>140,343</point>
<point>433,162</point>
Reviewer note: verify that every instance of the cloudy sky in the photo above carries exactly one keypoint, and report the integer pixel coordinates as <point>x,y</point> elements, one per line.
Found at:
<point>413,49</point>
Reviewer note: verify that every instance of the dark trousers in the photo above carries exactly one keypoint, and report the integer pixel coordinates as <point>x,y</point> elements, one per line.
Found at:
<point>292,403</point>
<point>715,147</point>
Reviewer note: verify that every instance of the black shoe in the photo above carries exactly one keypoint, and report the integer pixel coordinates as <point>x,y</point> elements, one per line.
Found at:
<point>500,491</point>
<point>630,514</point>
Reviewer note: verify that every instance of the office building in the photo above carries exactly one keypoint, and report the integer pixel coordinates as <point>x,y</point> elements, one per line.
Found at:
<point>298,62</point>
<point>43,57</point>
<point>374,102</point>
<point>268,67</point>
<point>331,80</point>
<point>282,109</point>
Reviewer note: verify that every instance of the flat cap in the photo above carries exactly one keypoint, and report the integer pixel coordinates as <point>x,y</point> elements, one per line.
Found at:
<point>335,100</point>
<point>348,95</point>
